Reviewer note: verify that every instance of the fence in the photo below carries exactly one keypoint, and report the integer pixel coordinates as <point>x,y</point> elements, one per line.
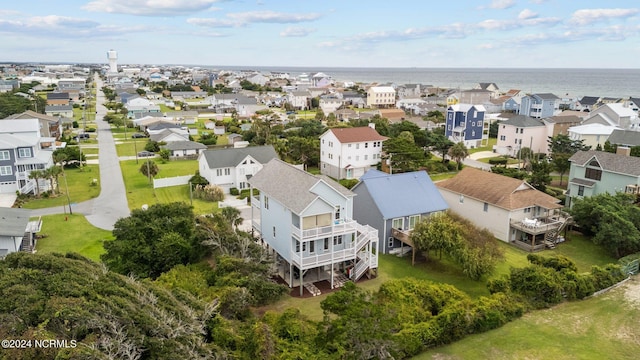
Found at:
<point>172,181</point>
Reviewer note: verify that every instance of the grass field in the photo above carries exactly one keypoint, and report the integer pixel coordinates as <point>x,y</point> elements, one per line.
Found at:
<point>602,327</point>
<point>140,192</point>
<point>74,234</point>
<point>80,188</point>
<point>489,147</point>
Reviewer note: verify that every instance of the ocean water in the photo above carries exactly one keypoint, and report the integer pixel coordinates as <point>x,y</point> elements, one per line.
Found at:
<point>574,82</point>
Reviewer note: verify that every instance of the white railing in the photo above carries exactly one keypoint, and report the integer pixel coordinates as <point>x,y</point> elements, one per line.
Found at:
<point>362,265</point>
<point>366,235</point>
<point>309,261</point>
<point>341,228</point>
<point>27,188</point>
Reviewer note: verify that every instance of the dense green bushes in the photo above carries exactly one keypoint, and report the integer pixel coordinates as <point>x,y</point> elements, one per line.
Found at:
<point>550,280</point>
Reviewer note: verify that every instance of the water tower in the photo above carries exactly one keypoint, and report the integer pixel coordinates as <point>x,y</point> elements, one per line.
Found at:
<point>112,55</point>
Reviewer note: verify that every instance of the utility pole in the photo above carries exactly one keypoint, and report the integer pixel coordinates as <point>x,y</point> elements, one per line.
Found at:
<point>67,187</point>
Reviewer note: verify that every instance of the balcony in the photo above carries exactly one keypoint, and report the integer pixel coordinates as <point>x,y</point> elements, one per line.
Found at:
<point>402,235</point>
<point>537,226</point>
<point>339,227</point>
<point>312,261</point>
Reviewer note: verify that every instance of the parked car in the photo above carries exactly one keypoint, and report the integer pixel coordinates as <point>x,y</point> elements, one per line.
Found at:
<point>138,135</point>
<point>145,153</point>
<point>83,136</point>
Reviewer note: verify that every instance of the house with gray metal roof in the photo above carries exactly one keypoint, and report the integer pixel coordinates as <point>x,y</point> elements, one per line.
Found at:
<point>596,172</point>
<point>17,233</point>
<point>307,220</point>
<point>184,148</point>
<point>232,167</point>
<point>394,204</point>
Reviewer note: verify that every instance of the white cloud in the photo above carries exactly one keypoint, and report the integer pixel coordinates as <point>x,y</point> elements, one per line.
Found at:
<point>272,17</point>
<point>296,32</point>
<point>211,22</point>
<point>63,27</point>
<point>150,7</point>
<point>253,17</point>
<point>502,4</point>
<point>527,14</point>
<point>588,16</point>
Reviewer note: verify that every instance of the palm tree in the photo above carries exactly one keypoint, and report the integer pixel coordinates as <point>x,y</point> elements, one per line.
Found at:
<point>458,152</point>
<point>37,175</point>
<point>232,215</point>
<point>53,173</point>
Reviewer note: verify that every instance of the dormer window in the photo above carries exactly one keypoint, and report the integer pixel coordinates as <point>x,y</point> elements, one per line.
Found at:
<point>24,152</point>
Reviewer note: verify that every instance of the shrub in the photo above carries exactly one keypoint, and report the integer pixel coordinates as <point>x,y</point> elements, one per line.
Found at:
<point>498,285</point>
<point>208,192</point>
<point>234,191</point>
<point>198,179</point>
<point>494,161</point>
<point>557,262</point>
<point>75,124</point>
<point>348,183</point>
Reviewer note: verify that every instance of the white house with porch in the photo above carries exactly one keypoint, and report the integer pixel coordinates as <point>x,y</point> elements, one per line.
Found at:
<point>306,221</point>
<point>347,153</point>
<point>232,167</point>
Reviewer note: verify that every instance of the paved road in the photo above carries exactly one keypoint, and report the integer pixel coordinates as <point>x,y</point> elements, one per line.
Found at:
<point>111,204</point>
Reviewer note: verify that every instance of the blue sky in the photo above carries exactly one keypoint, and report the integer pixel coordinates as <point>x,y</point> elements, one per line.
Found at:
<point>349,33</point>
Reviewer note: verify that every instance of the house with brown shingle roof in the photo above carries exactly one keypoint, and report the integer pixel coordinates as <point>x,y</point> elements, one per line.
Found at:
<point>511,209</point>
<point>596,172</point>
<point>347,153</point>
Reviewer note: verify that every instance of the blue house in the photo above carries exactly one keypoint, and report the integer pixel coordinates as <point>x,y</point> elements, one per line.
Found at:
<point>307,222</point>
<point>394,204</point>
<point>511,105</point>
<point>539,106</point>
<point>465,123</point>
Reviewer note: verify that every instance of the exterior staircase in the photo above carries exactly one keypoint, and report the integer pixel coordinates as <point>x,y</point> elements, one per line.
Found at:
<point>365,259</point>
<point>551,237</point>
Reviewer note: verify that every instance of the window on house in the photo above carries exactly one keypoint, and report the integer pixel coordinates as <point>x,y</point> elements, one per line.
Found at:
<point>337,212</point>
<point>4,155</point>
<point>312,247</point>
<point>580,190</point>
<point>274,231</point>
<point>366,157</point>
<point>390,244</point>
<point>485,207</point>
<point>6,170</point>
<point>366,145</point>
<point>337,240</point>
<point>266,202</point>
<point>24,152</point>
<point>357,146</point>
<point>593,174</point>
<point>227,171</point>
<point>397,223</point>
<point>297,246</point>
<point>218,172</point>
<point>326,243</point>
<point>413,221</point>
<point>461,199</point>
<point>503,138</point>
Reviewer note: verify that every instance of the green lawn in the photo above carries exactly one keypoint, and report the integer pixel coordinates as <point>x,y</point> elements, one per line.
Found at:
<point>80,188</point>
<point>72,233</point>
<point>140,192</point>
<point>489,147</point>
<point>602,327</point>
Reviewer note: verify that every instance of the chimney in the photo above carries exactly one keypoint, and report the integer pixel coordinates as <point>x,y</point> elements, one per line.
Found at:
<point>623,150</point>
